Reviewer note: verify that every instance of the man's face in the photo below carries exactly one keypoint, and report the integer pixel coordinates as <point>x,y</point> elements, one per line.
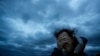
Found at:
<point>67,41</point>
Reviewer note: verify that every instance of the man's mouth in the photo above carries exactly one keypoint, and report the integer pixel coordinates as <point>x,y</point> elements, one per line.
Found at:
<point>65,44</point>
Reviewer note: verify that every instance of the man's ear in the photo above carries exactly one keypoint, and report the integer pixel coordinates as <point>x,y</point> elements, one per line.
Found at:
<point>81,45</point>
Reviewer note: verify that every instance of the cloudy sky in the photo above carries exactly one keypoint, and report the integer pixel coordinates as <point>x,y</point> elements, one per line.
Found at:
<point>27,26</point>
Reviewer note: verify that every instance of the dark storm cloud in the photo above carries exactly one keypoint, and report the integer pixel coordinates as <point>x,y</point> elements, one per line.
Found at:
<point>27,26</point>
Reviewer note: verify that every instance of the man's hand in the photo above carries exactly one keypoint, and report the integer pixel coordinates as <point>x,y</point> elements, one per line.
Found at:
<point>60,42</point>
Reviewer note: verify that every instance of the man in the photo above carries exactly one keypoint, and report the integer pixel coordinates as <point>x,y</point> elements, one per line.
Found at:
<point>68,44</point>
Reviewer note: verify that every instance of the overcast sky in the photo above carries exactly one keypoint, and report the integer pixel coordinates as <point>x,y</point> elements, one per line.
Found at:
<point>27,26</point>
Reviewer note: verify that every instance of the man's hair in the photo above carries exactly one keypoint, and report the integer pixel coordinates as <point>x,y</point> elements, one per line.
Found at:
<point>68,31</point>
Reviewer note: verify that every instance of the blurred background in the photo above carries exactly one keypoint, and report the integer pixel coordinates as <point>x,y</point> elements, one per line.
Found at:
<point>27,26</point>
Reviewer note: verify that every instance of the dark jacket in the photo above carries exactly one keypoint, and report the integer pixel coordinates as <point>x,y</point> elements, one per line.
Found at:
<point>79,51</point>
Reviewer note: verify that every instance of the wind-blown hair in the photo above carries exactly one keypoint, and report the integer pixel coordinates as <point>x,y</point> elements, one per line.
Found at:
<point>71,33</point>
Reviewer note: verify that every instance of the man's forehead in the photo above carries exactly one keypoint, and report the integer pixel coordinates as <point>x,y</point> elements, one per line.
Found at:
<point>63,34</point>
